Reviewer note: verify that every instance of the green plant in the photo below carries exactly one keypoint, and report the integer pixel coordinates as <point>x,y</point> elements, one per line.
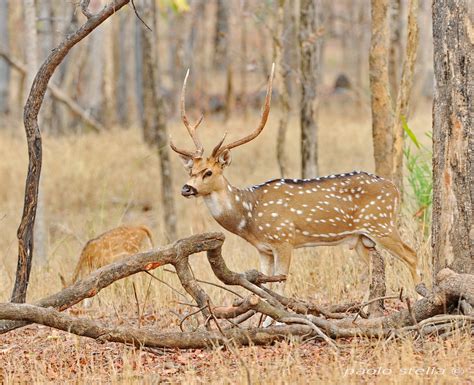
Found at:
<point>420,176</point>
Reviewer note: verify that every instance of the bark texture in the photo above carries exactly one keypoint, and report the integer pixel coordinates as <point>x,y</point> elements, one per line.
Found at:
<point>154,120</point>
<point>310,52</point>
<point>221,34</point>
<point>453,136</point>
<point>382,119</point>
<point>4,67</point>
<point>283,45</point>
<point>404,91</point>
<point>33,135</point>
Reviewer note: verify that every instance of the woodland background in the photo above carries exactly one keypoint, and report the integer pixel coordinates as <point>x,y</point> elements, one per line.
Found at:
<point>105,123</point>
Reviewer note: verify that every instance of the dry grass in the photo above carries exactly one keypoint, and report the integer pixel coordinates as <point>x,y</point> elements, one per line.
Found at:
<point>89,183</point>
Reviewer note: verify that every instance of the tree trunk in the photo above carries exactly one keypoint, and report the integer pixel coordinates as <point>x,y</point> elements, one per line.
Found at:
<point>382,119</point>
<point>403,97</point>
<point>108,73</point>
<point>154,117</point>
<point>221,34</point>
<point>244,58</point>
<point>124,104</point>
<point>31,45</point>
<point>283,45</point>
<point>138,53</point>
<point>4,67</point>
<point>453,137</point>
<point>395,52</point>
<point>176,47</point>
<point>310,51</point>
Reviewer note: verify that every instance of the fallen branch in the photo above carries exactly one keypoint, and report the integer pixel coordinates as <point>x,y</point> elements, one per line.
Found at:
<point>148,336</point>
<point>300,319</point>
<point>105,276</point>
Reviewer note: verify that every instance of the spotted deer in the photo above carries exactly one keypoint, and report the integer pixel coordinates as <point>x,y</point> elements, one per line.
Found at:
<point>280,215</point>
<point>109,247</point>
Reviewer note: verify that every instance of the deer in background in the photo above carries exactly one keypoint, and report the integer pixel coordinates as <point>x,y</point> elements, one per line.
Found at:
<point>280,215</point>
<point>110,246</point>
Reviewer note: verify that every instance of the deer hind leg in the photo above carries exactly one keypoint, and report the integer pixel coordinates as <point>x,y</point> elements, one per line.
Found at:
<point>394,244</point>
<point>362,248</point>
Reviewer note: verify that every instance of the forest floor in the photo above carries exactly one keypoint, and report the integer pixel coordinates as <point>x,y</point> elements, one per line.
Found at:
<point>93,182</point>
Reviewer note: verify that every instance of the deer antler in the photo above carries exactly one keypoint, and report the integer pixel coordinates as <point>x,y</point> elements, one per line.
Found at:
<point>191,128</point>
<point>263,120</point>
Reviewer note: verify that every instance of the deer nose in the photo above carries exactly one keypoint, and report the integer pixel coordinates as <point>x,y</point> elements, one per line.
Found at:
<point>188,191</point>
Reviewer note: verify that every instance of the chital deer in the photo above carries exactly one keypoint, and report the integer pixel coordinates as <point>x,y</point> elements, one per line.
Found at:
<point>280,215</point>
<point>110,246</point>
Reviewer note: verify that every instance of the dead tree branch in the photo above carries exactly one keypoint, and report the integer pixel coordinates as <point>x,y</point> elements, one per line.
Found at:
<point>146,336</point>
<point>299,318</point>
<point>107,275</point>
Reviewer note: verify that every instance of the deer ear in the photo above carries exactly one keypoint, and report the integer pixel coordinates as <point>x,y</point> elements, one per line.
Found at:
<point>224,158</point>
<point>187,162</point>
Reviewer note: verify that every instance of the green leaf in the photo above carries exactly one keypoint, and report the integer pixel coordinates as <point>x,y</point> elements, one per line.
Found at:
<point>409,132</point>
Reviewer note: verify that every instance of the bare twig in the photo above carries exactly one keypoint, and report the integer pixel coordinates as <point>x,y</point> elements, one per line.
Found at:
<point>137,302</point>
<point>84,8</point>
<point>166,284</point>
<point>138,16</point>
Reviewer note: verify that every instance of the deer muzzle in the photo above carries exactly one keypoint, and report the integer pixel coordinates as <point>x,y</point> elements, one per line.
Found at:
<point>188,191</point>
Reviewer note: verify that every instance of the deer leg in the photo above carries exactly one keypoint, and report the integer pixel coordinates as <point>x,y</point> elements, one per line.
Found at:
<point>267,267</point>
<point>266,263</point>
<point>282,255</point>
<point>363,252</point>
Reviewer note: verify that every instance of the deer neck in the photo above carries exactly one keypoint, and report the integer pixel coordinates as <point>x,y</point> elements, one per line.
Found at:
<point>231,207</point>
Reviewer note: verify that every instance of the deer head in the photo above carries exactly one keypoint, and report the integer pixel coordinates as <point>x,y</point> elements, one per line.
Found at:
<point>206,174</point>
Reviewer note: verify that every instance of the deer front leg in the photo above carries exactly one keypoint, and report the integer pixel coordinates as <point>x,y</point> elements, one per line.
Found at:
<point>266,263</point>
<point>282,255</point>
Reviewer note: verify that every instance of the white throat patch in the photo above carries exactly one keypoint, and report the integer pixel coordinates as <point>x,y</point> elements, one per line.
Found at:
<point>217,203</point>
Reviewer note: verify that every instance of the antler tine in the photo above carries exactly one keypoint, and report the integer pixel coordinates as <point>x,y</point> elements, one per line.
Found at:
<point>186,153</point>
<point>191,128</point>
<point>216,149</point>
<point>263,119</point>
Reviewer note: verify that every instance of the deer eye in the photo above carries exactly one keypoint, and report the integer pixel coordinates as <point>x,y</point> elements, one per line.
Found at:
<point>207,174</point>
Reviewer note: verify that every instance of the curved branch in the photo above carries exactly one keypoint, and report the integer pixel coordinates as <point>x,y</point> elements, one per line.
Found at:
<point>107,275</point>
<point>148,336</point>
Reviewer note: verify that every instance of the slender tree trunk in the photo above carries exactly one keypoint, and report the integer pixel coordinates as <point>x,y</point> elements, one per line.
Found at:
<point>244,58</point>
<point>221,34</point>
<point>31,45</point>
<point>176,47</point>
<point>4,67</point>
<point>406,82</point>
<point>123,71</point>
<point>283,45</point>
<point>382,118</point>
<point>310,51</point>
<point>395,52</point>
<point>139,80</point>
<point>154,117</point>
<point>108,73</point>
<point>453,137</point>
